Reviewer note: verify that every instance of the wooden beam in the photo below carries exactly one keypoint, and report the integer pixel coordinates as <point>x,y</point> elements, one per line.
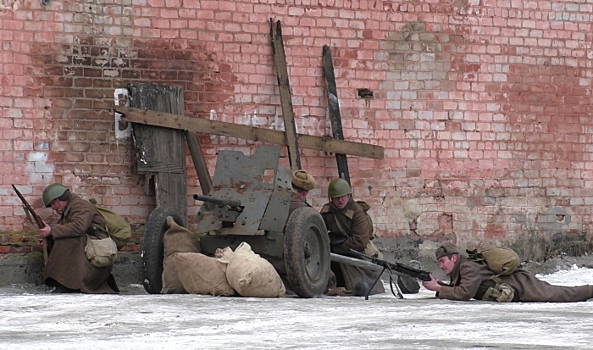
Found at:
<point>197,156</point>
<point>175,121</point>
<point>334,111</point>
<point>285,95</point>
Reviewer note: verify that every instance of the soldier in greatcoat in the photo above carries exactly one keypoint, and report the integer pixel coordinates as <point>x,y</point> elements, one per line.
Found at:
<point>302,182</point>
<point>474,280</point>
<point>67,267</point>
<point>349,228</point>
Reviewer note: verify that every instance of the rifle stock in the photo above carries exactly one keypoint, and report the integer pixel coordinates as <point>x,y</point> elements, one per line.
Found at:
<point>398,267</point>
<point>29,209</point>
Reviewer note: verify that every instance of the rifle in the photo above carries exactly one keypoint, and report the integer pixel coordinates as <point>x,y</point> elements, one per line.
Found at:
<point>28,209</point>
<point>397,267</point>
<point>31,213</point>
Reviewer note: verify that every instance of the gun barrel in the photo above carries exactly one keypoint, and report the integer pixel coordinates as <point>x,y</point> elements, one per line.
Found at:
<point>397,267</point>
<point>218,201</point>
<point>413,272</point>
<point>28,208</point>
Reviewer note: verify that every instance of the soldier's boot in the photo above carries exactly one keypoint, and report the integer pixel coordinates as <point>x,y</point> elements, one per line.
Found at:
<point>361,288</point>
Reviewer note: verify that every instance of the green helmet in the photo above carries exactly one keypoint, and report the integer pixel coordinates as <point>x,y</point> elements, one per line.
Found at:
<point>52,192</point>
<point>338,188</point>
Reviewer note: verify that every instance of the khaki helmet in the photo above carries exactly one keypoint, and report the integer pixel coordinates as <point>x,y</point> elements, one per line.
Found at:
<point>302,179</point>
<point>52,192</point>
<point>338,188</point>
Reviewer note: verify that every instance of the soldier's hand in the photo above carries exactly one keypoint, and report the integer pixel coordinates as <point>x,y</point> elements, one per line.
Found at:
<point>45,231</point>
<point>433,284</point>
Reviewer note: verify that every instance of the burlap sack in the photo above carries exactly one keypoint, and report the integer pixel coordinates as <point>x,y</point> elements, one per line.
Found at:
<point>253,276</point>
<point>171,282</point>
<point>201,274</point>
<point>177,239</point>
<point>223,256</point>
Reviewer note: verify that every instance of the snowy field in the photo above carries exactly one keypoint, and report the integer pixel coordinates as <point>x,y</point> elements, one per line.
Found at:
<point>32,318</point>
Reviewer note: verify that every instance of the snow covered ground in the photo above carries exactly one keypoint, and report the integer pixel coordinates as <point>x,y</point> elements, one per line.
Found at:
<point>32,318</point>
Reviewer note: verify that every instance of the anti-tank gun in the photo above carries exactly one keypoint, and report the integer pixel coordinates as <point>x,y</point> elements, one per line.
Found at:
<point>249,202</point>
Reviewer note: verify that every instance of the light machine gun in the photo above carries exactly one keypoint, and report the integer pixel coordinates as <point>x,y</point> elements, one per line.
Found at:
<point>402,270</point>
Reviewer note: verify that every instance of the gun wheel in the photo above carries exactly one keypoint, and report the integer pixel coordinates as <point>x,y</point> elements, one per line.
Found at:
<point>306,252</point>
<point>407,284</point>
<point>152,247</point>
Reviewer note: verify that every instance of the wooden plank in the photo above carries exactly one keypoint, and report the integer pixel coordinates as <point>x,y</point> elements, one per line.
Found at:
<point>285,95</point>
<point>160,152</point>
<point>334,111</point>
<point>195,149</point>
<point>174,121</point>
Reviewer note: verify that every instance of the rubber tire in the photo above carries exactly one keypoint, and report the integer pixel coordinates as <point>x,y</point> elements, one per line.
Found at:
<point>152,247</point>
<point>407,284</point>
<point>307,273</point>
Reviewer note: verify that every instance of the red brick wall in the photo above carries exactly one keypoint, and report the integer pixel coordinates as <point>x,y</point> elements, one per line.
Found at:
<point>483,107</point>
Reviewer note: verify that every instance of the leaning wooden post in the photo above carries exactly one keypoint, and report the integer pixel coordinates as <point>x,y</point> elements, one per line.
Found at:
<point>197,156</point>
<point>334,110</point>
<point>285,96</point>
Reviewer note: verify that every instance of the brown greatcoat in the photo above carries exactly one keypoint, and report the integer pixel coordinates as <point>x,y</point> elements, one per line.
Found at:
<point>67,263</point>
<point>470,279</point>
<point>296,202</point>
<point>349,228</point>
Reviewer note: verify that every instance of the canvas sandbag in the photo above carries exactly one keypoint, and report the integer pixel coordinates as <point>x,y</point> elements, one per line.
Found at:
<point>201,274</point>
<point>171,282</point>
<point>253,276</point>
<point>177,239</point>
<point>223,256</point>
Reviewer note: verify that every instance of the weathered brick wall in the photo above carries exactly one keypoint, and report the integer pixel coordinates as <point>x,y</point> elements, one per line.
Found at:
<point>483,107</point>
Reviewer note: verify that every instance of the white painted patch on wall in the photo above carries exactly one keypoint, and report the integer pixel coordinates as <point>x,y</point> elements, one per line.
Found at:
<point>9,5</point>
<point>278,123</point>
<point>121,96</point>
<point>318,127</point>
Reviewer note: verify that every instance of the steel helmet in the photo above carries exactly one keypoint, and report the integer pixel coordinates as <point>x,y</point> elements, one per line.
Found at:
<point>338,188</point>
<point>52,192</point>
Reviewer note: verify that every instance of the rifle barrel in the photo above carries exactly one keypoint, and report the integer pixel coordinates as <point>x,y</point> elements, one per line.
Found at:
<point>28,208</point>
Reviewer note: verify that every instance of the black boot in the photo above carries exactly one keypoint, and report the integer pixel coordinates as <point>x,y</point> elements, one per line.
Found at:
<point>361,288</point>
<point>61,289</point>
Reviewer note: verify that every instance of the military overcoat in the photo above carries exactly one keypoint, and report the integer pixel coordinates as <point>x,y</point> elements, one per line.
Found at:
<point>468,280</point>
<point>67,263</point>
<point>350,229</point>
<point>296,202</point>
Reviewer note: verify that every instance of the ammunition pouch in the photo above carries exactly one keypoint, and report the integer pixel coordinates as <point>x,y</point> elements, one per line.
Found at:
<point>500,292</point>
<point>100,252</point>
